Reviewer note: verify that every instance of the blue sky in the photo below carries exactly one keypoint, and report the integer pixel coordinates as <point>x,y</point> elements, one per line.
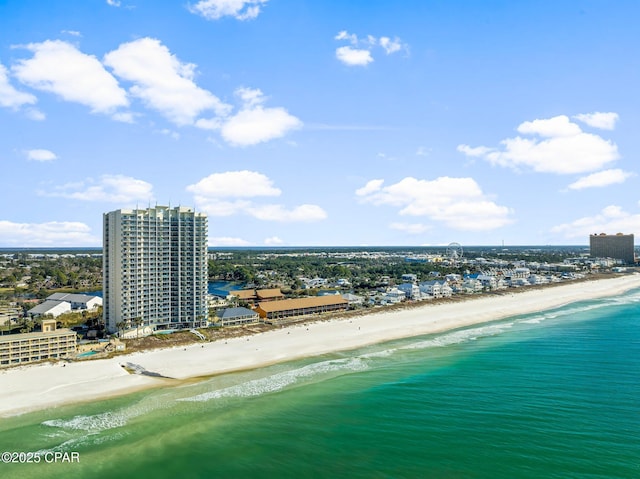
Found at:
<point>299,122</point>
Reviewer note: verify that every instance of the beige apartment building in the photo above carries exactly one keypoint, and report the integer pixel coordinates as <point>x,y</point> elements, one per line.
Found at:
<point>51,343</point>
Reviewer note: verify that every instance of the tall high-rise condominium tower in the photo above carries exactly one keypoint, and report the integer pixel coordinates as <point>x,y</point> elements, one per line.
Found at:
<point>155,268</point>
<point>618,246</point>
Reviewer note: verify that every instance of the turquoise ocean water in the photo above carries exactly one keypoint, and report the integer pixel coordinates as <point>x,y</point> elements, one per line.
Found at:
<point>548,395</point>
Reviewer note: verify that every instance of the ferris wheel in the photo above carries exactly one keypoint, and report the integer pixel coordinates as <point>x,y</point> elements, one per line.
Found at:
<point>454,251</point>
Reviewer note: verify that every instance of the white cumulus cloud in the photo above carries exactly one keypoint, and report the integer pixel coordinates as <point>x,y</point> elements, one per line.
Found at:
<point>35,114</point>
<point>353,56</point>
<point>108,188</point>
<point>59,67</point>
<point>255,123</point>
<point>600,179</point>
<point>345,35</point>
<point>40,155</point>
<point>360,52</point>
<point>371,187</point>
<point>390,46</point>
<point>234,192</point>
<point>478,151</point>
<point>612,219</point>
<point>555,145</point>
<point>557,126</point>
<point>157,77</point>
<point>124,117</point>
<point>459,203</point>
<point>603,121</point>
<point>53,233</point>
<point>235,184</point>
<point>162,81</point>
<point>238,9</point>
<point>9,96</point>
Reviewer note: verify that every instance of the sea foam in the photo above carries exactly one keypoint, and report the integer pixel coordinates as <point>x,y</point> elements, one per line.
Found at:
<point>98,422</point>
<point>279,381</point>
<point>461,336</point>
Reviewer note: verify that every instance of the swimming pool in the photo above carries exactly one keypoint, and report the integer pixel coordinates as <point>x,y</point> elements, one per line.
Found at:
<point>86,354</point>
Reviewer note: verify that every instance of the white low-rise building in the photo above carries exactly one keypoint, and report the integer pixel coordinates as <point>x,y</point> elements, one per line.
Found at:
<point>488,281</point>
<point>77,301</point>
<point>411,291</point>
<point>313,283</point>
<point>472,285</point>
<point>393,296</point>
<point>50,307</point>
<point>517,273</point>
<point>353,299</point>
<point>445,289</point>
<point>538,279</point>
<point>60,303</point>
<point>432,288</point>
<point>518,282</point>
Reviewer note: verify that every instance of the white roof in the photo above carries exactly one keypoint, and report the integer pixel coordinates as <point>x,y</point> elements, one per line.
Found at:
<point>72,297</point>
<point>51,307</point>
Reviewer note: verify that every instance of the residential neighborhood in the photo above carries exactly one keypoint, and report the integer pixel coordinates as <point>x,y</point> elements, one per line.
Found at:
<point>278,286</point>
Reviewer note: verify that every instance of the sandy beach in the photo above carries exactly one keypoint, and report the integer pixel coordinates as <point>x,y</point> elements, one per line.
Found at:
<point>42,386</point>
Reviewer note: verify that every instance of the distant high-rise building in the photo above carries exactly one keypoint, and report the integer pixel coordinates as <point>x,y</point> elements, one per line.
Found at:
<point>155,267</point>
<point>618,246</point>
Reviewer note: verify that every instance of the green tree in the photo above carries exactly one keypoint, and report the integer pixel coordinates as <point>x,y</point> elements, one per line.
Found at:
<point>138,322</point>
<point>61,278</point>
<point>27,325</point>
<point>120,326</point>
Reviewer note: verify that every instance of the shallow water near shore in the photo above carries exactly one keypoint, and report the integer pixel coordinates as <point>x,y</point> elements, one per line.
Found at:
<point>550,394</point>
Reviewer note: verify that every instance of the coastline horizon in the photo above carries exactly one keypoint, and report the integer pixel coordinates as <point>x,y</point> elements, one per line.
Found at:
<point>40,386</point>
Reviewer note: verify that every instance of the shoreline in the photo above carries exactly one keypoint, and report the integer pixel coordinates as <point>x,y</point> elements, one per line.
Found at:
<point>35,387</point>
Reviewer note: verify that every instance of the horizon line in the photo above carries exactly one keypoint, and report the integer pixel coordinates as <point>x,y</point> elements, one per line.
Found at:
<point>501,246</point>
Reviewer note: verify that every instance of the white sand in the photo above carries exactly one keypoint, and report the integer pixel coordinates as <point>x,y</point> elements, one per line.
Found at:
<point>41,386</point>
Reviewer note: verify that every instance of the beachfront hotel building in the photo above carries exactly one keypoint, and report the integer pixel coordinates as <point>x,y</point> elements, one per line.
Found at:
<point>271,311</point>
<point>155,268</point>
<point>618,246</point>
<point>50,343</point>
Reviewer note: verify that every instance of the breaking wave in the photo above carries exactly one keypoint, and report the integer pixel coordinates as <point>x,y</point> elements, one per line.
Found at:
<point>98,422</point>
<point>279,381</point>
<point>461,336</point>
